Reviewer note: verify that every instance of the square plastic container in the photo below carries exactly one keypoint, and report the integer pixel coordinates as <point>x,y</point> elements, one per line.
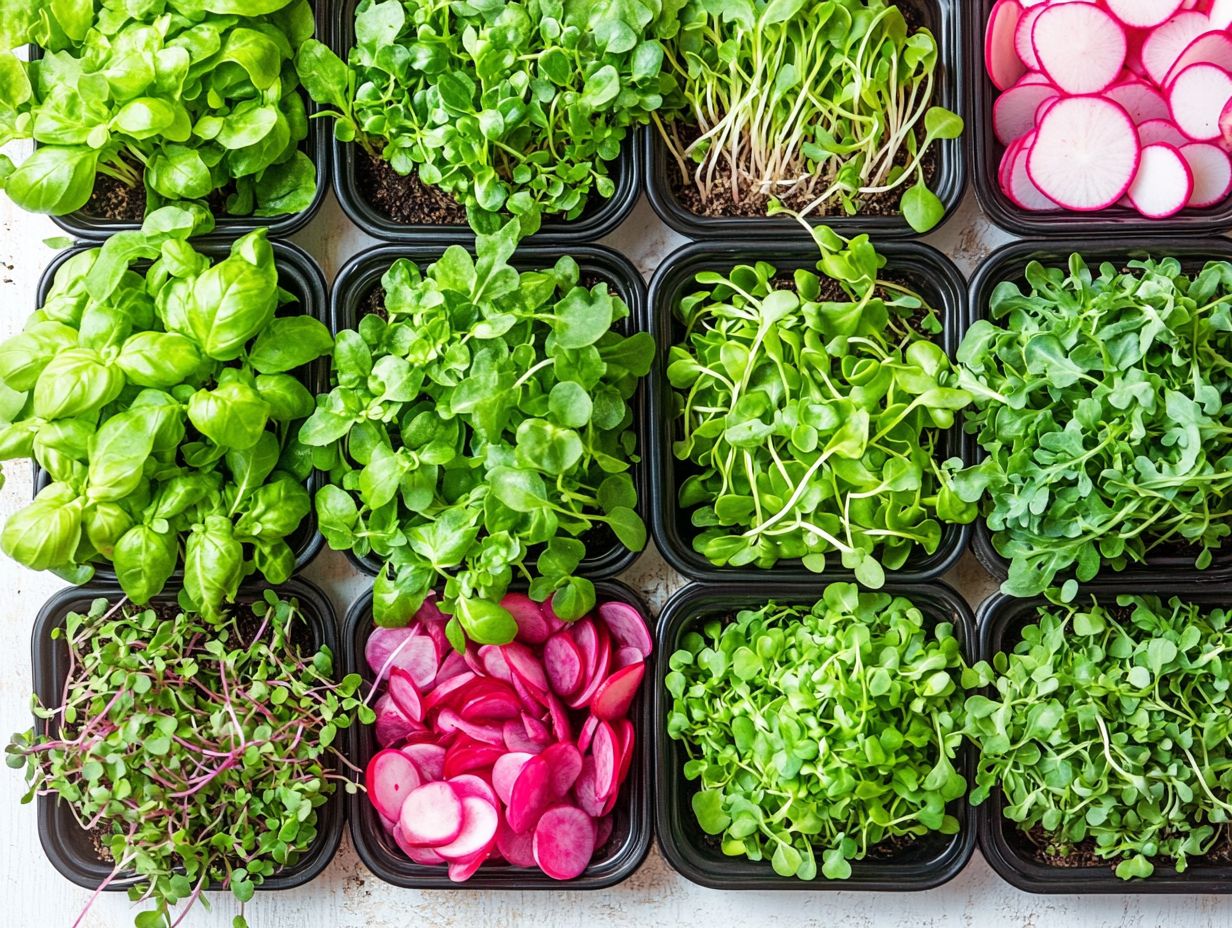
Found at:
<point>92,228</point>
<point>606,556</point>
<point>946,21</point>
<point>1008,263</point>
<point>924,864</point>
<point>613,863</point>
<point>298,274</point>
<point>599,217</point>
<point>66,844</point>
<point>929,271</point>
<point>987,151</point>
<point>1001,620</point>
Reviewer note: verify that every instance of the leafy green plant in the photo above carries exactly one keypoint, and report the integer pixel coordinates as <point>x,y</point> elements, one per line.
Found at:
<point>190,97</point>
<point>819,104</point>
<point>508,107</point>
<point>1107,727</point>
<point>198,751</point>
<point>162,406</point>
<point>483,425</point>
<point>1101,397</point>
<point>813,412</point>
<point>830,728</point>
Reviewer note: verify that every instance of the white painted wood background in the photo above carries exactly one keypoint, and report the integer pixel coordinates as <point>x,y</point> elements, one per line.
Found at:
<point>34,895</point>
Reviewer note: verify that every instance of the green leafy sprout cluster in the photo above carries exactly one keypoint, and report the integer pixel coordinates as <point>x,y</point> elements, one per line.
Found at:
<point>819,104</point>
<point>190,98</point>
<point>201,751</point>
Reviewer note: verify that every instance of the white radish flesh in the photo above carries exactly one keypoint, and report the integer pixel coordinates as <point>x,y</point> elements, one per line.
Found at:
<point>1022,190</point>
<point>1080,47</point>
<point>1210,48</point>
<point>1022,38</point>
<point>478,832</point>
<point>1000,59</point>
<point>1085,154</point>
<point>1142,101</point>
<point>431,815</point>
<point>1166,43</point>
<point>1014,112</point>
<point>390,777</point>
<point>1163,184</point>
<point>564,842</point>
<point>1161,130</point>
<point>1212,173</point>
<point>1197,98</point>
<point>1143,14</point>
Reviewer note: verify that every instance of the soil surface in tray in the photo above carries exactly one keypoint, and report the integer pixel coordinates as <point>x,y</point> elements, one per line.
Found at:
<point>116,201</point>
<point>404,199</point>
<point>1083,855</point>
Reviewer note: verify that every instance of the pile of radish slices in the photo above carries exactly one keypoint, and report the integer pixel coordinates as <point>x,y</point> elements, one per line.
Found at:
<point>514,752</point>
<point>1113,102</point>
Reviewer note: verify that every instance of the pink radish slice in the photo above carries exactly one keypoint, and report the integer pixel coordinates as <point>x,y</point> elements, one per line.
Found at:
<point>505,772</point>
<point>1033,77</point>
<point>478,831</point>
<point>1163,184</point>
<point>614,696</point>
<point>1142,101</point>
<point>1013,113</point>
<point>453,665</point>
<point>1212,173</point>
<point>559,717</point>
<point>1210,48</point>
<point>531,794</point>
<point>626,736</point>
<point>1000,59</point>
<point>391,724</point>
<point>465,758</point>
<point>606,750</point>
<point>1007,164</point>
<point>627,656</point>
<point>564,842</point>
<point>486,732</point>
<point>494,663</point>
<point>516,738</point>
<point>564,764</point>
<point>390,777</point>
<point>1161,130</point>
<point>405,694</point>
<point>470,785</point>
<point>1085,154</point>
<point>424,856</point>
<point>1225,128</point>
<point>588,733</point>
<point>533,628</point>
<point>462,870</point>
<point>526,667</point>
<point>1022,38</point>
<point>443,692</point>
<point>431,815</point>
<point>536,730</point>
<point>491,706</point>
<point>1143,14</point>
<point>387,825</point>
<point>429,760</point>
<point>1166,43</point>
<point>1197,98</point>
<point>1079,46</point>
<point>402,647</point>
<point>586,790</point>
<point>516,847</point>
<point>626,626</point>
<point>562,663</point>
<point>603,831</point>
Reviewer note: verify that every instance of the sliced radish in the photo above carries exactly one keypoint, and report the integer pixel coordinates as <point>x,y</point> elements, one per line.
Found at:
<point>1209,48</point>
<point>626,656</point>
<point>464,758</point>
<point>533,628</point>
<point>1163,184</point>
<point>505,772</point>
<point>1022,190</point>
<point>531,794</point>
<point>462,870</point>
<point>1197,98</point>
<point>424,856</point>
<point>606,750</point>
<point>603,830</point>
<point>1212,173</point>
<point>516,847</point>
<point>1142,101</point>
<point>563,664</point>
<point>559,717</point>
<point>526,667</point>
<point>491,706</point>
<point>1085,154</point>
<point>516,738</point>
<point>1143,14</point>
<point>1014,112</point>
<point>478,831</point>
<point>1221,14</point>
<point>405,693</point>
<point>564,842</point>
<point>431,815</point>
<point>405,648</point>
<point>1079,46</point>
<point>1161,130</point>
<point>564,764</point>
<point>588,733</point>
<point>614,696</point>
<point>429,760</point>
<point>627,738</point>
<point>1225,127</point>
<point>1022,38</point>
<point>627,626</point>
<point>1000,59</point>
<point>470,785</point>
<point>391,724</point>
<point>390,777</point>
<point>1166,43</point>
<point>586,790</point>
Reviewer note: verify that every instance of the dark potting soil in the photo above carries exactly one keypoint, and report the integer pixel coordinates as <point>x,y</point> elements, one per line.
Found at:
<point>404,198</point>
<point>114,200</point>
<point>1042,850</point>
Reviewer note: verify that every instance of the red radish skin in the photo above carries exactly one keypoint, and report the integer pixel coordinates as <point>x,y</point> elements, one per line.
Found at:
<point>1164,182</point>
<point>1079,46</point>
<point>588,733</point>
<point>1209,48</point>
<point>453,665</point>
<point>627,626</point>
<point>467,757</point>
<point>1143,14</point>
<point>470,785</point>
<point>1212,173</point>
<point>1020,188</point>
<point>405,694</point>
<point>516,738</point>
<point>1166,43</point>
<point>1014,112</point>
<point>1000,58</point>
<point>390,777</point>
<point>516,847</point>
<point>442,692</point>
<point>431,815</point>
<point>626,737</point>
<point>478,832</point>
<point>564,764</point>
<point>561,727</point>
<point>586,790</point>
<point>494,663</point>
<point>533,628</point>
<point>606,750</point>
<point>564,842</point>
<point>491,707</point>
<point>562,664</point>
<point>626,656</point>
<point>1022,38</point>
<point>424,856</point>
<point>526,667</point>
<point>1161,130</point>
<point>536,730</point>
<point>505,773</point>
<point>1197,98</point>
<point>531,794</point>
<point>615,695</point>
<point>391,724</point>
<point>1225,127</point>
<point>1085,154</point>
<point>462,870</point>
<point>429,760</point>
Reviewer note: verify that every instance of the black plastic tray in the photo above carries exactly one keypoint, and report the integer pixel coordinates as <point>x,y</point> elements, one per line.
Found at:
<point>936,278</point>
<point>925,864</point>
<point>91,228</point>
<point>1001,619</point>
<point>66,844</point>
<point>613,863</point>
<point>363,273</point>
<point>1008,263</point>
<point>987,151</point>
<point>598,218</point>
<point>298,274</point>
<point>946,20</point>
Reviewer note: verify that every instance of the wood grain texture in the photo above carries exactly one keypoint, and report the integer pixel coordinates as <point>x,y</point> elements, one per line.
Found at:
<point>347,896</point>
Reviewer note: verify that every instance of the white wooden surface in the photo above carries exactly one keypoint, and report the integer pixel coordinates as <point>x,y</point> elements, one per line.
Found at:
<point>34,895</point>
